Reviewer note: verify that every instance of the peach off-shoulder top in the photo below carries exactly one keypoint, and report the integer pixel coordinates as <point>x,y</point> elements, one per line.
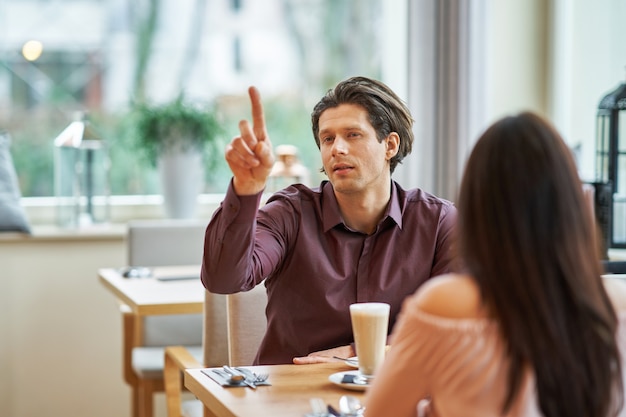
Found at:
<point>443,367</point>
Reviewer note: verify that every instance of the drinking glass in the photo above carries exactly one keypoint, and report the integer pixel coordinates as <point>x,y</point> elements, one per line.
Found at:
<point>369,327</point>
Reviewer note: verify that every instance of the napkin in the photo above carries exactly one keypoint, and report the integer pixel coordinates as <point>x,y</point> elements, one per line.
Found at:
<point>350,378</point>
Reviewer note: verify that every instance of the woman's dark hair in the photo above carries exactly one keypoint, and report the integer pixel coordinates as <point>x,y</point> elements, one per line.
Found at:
<point>527,237</point>
<point>387,113</point>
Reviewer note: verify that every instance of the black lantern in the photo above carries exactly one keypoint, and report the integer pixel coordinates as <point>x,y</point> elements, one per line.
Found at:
<point>611,166</point>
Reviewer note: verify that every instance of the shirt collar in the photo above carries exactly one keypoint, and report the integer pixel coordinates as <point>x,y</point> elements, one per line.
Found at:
<point>394,209</point>
<point>332,215</point>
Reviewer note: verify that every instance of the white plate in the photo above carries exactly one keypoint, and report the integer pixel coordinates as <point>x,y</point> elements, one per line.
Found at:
<point>337,379</point>
<point>352,362</point>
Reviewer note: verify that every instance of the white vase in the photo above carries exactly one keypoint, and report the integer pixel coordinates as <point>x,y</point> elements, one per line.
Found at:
<point>182,178</point>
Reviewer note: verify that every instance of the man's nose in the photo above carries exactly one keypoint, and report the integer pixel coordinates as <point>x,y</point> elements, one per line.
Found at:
<point>340,145</point>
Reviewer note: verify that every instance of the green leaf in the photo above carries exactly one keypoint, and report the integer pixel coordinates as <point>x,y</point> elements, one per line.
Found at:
<point>175,125</point>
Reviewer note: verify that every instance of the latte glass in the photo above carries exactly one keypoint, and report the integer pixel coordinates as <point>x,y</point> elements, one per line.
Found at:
<point>369,327</point>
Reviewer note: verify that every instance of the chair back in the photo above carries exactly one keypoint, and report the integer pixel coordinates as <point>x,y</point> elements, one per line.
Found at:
<point>163,243</point>
<point>246,324</point>
<point>215,338</point>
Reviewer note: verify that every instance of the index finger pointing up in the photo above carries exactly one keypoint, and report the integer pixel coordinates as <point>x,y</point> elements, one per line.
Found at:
<point>258,118</point>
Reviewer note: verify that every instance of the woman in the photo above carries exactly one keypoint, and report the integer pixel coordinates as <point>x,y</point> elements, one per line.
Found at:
<point>531,329</point>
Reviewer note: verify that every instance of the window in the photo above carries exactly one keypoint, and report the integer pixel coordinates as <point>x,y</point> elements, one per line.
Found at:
<point>292,50</point>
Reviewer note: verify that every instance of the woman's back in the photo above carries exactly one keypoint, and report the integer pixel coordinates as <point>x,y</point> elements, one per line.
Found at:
<point>448,348</point>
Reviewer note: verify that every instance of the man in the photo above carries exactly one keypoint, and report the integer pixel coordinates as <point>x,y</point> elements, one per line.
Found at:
<point>357,237</point>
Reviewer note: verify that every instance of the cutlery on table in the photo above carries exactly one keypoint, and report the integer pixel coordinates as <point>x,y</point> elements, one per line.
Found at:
<point>226,376</point>
<point>352,361</point>
<point>254,377</point>
<point>319,408</point>
<point>238,376</point>
<point>350,406</point>
<point>332,411</point>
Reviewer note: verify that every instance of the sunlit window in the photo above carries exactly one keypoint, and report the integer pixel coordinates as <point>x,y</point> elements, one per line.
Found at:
<point>102,57</point>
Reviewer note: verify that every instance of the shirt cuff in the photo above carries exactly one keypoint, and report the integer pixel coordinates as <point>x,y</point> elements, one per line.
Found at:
<point>242,208</point>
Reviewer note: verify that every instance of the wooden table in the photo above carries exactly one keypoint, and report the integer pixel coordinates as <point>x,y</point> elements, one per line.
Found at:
<point>292,388</point>
<point>151,296</point>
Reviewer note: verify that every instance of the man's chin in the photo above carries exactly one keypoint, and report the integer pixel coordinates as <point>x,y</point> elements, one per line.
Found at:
<point>344,186</point>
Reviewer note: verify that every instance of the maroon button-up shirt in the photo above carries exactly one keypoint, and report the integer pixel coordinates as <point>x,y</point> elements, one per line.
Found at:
<point>314,266</point>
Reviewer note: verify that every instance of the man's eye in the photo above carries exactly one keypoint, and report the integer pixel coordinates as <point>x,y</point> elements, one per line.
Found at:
<point>327,139</point>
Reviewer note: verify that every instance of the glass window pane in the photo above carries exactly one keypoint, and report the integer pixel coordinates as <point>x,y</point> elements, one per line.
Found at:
<point>211,51</point>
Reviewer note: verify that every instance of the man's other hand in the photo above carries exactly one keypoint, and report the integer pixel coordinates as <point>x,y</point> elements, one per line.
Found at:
<point>325,355</point>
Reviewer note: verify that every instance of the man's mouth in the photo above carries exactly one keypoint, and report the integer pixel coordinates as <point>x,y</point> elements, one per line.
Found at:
<point>341,168</point>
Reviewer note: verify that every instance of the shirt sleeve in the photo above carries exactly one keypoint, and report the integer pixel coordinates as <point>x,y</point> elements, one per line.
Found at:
<point>239,250</point>
<point>227,261</point>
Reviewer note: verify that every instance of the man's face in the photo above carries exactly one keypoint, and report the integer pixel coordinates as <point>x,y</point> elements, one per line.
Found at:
<point>352,157</point>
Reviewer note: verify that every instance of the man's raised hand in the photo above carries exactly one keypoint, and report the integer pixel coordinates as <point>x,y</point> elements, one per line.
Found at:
<point>249,155</point>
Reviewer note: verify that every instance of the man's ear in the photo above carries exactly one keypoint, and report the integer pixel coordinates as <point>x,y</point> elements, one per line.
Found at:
<point>392,141</point>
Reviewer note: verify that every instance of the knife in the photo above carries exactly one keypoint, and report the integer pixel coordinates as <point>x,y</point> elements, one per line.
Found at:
<point>333,412</point>
<point>238,376</point>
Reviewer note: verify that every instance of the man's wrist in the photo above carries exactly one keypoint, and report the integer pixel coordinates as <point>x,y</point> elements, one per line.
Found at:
<point>248,187</point>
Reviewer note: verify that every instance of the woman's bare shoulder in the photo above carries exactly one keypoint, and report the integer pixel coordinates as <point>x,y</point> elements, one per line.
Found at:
<point>451,296</point>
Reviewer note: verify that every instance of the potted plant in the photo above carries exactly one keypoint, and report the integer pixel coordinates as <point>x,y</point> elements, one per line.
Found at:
<point>181,139</point>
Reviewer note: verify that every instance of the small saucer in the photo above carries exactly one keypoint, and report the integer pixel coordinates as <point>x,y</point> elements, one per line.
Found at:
<point>345,380</point>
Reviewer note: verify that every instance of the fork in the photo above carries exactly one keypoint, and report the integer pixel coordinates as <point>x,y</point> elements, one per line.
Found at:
<point>240,376</point>
<point>260,377</point>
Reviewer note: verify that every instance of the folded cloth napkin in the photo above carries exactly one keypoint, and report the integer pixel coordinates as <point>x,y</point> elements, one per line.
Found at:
<point>353,378</point>
<point>222,377</point>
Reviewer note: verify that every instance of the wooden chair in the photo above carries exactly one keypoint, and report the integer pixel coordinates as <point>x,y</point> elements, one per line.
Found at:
<point>246,324</point>
<point>158,243</point>
<point>246,321</point>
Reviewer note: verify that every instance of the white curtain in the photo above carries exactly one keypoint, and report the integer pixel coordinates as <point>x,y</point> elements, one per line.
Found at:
<point>446,90</point>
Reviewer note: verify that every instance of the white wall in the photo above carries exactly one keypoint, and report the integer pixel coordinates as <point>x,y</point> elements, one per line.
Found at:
<point>598,67</point>
<point>516,57</point>
<point>558,58</point>
<point>60,329</point>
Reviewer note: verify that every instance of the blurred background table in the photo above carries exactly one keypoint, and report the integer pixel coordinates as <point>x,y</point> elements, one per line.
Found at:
<point>158,294</point>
